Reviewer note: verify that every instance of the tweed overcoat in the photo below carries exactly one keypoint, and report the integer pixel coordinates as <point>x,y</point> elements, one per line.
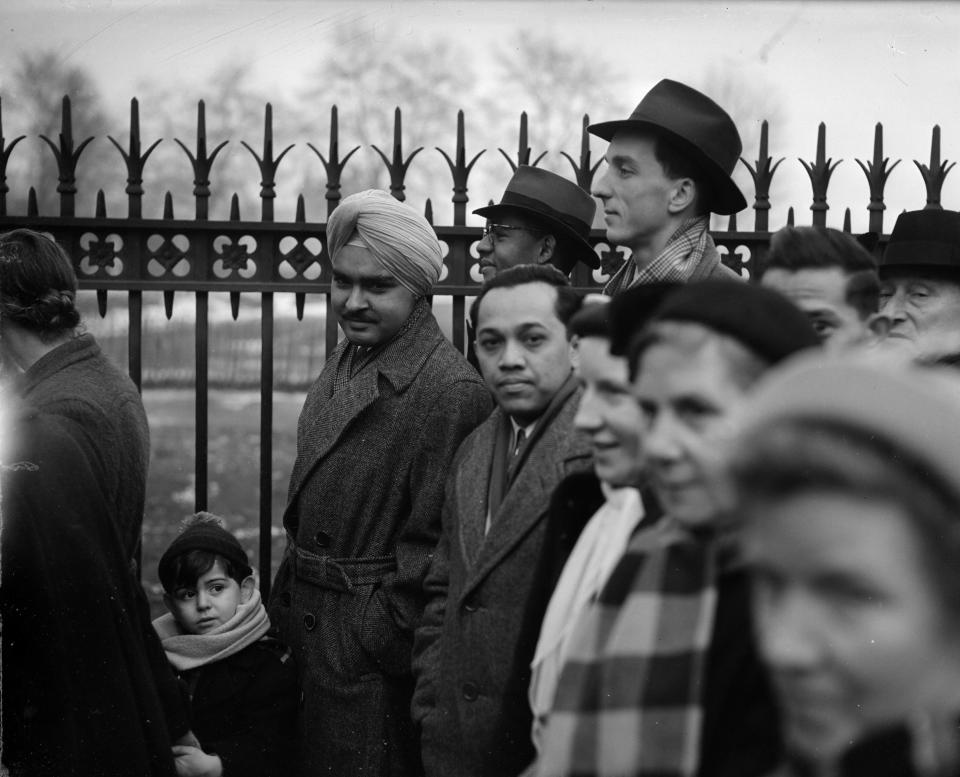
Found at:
<point>76,381</point>
<point>363,518</point>
<point>473,651</point>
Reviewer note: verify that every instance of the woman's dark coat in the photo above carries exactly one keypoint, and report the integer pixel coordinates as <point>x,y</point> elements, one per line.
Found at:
<point>82,693</point>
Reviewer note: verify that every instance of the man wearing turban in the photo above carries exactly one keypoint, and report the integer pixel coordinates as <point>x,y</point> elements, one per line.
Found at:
<point>375,436</point>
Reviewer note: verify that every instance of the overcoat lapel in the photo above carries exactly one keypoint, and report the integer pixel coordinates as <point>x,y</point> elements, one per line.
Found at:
<point>326,415</point>
<point>330,415</point>
<point>472,488</point>
<point>531,478</point>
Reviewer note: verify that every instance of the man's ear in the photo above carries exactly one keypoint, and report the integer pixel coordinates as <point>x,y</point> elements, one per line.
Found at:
<point>682,196</point>
<point>547,248</point>
<point>247,587</point>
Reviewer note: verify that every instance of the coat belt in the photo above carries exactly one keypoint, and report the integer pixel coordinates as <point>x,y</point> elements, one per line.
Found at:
<point>340,574</point>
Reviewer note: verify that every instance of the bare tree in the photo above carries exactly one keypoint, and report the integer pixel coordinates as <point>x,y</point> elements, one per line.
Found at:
<point>33,95</point>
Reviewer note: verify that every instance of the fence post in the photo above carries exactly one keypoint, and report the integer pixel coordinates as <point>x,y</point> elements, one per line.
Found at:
<point>583,171</point>
<point>398,167</point>
<point>762,176</point>
<point>820,172</point>
<point>4,157</point>
<point>936,173</point>
<point>67,158</point>
<point>877,174</point>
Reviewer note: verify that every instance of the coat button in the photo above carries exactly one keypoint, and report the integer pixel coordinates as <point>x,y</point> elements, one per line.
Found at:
<point>285,599</point>
<point>309,621</point>
<point>323,539</point>
<point>470,605</point>
<point>470,691</point>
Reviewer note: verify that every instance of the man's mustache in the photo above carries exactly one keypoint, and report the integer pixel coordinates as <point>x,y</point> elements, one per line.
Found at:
<point>360,318</point>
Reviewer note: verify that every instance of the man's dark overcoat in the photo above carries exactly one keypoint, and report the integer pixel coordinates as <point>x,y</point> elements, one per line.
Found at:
<point>474,649</point>
<point>364,518</point>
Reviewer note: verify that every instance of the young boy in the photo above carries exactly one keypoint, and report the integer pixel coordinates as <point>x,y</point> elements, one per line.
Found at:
<point>242,683</point>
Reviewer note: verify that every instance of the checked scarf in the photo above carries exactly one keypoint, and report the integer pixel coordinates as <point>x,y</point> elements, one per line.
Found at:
<point>690,254</point>
<point>629,699</point>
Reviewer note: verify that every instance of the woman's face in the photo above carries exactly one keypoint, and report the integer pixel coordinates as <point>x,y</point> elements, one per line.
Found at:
<point>846,617</point>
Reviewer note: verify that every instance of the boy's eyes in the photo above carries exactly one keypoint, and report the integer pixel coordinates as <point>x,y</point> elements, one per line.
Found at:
<point>184,594</point>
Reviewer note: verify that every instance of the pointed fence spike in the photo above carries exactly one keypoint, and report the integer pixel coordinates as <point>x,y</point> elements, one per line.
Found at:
<point>790,216</point>
<point>102,302</point>
<point>32,208</point>
<point>428,211</point>
<point>168,206</point>
<point>301,217</point>
<point>168,303</point>
<point>846,221</point>
<point>732,226</point>
<point>101,209</point>
<point>235,207</point>
<point>235,304</point>
<point>300,298</point>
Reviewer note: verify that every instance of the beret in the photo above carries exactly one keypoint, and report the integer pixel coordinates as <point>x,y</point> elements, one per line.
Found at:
<point>916,410</point>
<point>203,535</point>
<point>632,308</point>
<point>761,319</point>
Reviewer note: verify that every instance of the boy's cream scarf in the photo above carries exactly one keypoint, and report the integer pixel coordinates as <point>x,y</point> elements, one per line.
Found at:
<point>187,651</point>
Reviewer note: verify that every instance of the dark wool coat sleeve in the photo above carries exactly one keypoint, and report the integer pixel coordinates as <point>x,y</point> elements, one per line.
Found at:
<point>79,692</point>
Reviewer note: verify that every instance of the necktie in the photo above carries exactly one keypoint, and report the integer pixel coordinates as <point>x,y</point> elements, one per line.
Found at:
<point>521,438</point>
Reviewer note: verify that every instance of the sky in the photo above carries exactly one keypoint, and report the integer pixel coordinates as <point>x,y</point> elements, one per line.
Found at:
<point>848,64</point>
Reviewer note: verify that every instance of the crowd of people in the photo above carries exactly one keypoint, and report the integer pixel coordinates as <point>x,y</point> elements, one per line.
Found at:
<point>690,526</point>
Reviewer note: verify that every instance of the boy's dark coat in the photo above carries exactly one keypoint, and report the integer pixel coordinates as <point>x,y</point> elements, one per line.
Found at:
<point>245,709</point>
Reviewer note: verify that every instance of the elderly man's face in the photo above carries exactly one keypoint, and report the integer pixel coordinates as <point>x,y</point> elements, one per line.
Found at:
<point>821,293</point>
<point>369,302</point>
<point>510,241</point>
<point>687,398</point>
<point>923,312</point>
<point>522,348</point>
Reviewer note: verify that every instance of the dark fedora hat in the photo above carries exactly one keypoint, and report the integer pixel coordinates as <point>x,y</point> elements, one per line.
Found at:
<point>924,238</point>
<point>560,204</point>
<point>697,126</point>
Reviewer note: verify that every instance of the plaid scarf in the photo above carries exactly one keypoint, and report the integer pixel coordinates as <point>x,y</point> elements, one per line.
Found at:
<point>629,698</point>
<point>690,253</point>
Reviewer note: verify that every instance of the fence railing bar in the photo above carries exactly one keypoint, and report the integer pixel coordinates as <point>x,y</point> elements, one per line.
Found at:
<point>202,394</point>
<point>266,441</point>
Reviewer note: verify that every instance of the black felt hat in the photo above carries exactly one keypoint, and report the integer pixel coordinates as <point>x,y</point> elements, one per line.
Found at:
<point>924,238</point>
<point>552,199</point>
<point>697,126</point>
<point>760,318</point>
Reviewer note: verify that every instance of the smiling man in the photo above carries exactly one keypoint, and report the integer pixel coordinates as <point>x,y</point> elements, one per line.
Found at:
<point>668,169</point>
<point>920,286</point>
<point>473,650</point>
<point>662,677</point>
<point>375,437</point>
<point>831,277</point>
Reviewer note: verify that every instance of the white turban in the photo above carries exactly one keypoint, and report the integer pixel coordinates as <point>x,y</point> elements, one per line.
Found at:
<point>398,237</point>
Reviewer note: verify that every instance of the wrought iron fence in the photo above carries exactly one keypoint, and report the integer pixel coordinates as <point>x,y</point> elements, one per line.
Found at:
<point>264,257</point>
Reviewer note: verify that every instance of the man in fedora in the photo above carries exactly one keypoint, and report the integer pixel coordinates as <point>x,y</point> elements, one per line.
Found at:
<point>920,286</point>
<point>542,218</point>
<point>668,169</point>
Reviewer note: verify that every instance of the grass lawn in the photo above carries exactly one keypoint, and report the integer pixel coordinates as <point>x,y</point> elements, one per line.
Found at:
<point>233,469</point>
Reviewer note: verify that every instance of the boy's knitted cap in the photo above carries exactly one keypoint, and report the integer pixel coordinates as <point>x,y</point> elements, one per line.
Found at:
<point>204,535</point>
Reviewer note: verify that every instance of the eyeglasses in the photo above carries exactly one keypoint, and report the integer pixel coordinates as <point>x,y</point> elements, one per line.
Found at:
<point>493,231</point>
